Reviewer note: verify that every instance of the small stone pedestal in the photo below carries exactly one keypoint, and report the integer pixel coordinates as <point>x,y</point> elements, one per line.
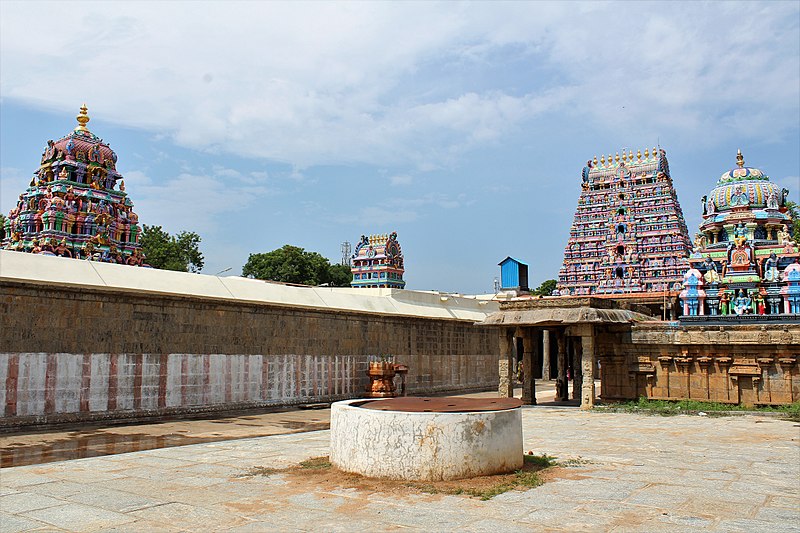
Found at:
<point>381,380</point>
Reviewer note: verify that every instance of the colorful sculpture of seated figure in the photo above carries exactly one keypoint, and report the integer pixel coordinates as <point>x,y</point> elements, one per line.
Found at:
<point>785,239</point>
<point>711,275</point>
<point>742,304</point>
<point>740,197</point>
<point>771,268</point>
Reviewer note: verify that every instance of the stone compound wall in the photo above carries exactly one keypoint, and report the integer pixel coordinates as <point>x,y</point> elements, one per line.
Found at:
<point>749,364</point>
<point>68,354</point>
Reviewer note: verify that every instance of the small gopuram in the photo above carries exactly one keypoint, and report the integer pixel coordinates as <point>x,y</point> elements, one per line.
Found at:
<point>744,266</point>
<point>76,205</point>
<point>629,234</point>
<point>377,262</point>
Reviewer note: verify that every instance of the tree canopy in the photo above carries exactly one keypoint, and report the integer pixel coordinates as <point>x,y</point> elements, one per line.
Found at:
<point>179,252</point>
<point>291,264</point>
<point>545,289</point>
<point>794,212</point>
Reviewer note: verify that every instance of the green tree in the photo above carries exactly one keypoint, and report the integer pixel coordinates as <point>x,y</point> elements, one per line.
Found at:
<point>794,212</point>
<point>545,289</point>
<point>292,264</point>
<point>180,252</point>
<point>341,276</point>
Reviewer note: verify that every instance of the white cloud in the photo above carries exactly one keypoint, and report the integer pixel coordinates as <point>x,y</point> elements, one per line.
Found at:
<point>13,181</point>
<point>397,210</point>
<point>191,201</point>
<point>376,216</point>
<point>321,83</point>
<point>401,179</point>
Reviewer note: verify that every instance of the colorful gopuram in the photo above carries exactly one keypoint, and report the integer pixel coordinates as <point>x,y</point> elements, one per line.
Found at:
<point>76,205</point>
<point>377,262</point>
<point>629,234</point>
<point>744,261</point>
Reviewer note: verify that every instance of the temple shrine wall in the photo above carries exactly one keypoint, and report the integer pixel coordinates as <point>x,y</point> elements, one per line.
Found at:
<point>68,354</point>
<point>740,364</point>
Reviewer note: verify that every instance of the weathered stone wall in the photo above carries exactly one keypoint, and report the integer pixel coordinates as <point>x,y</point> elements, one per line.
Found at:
<point>71,354</point>
<point>749,364</point>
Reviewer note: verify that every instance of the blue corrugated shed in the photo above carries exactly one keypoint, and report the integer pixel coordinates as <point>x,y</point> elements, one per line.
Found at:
<point>513,274</point>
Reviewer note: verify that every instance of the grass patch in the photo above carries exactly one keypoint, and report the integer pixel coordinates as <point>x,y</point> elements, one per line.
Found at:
<point>542,461</point>
<point>316,463</point>
<point>574,462</point>
<point>318,472</point>
<point>259,471</point>
<point>519,480</point>
<point>678,407</point>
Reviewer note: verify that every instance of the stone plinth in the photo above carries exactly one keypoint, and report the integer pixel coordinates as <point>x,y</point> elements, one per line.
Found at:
<point>429,446</point>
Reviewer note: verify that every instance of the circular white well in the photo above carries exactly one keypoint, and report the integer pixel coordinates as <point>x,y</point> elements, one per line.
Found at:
<point>429,446</point>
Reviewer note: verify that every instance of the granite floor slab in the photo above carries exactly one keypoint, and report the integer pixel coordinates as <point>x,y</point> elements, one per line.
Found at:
<point>627,472</point>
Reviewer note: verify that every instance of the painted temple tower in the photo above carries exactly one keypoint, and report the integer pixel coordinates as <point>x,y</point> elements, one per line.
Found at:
<point>744,261</point>
<point>629,234</point>
<point>76,205</point>
<point>377,262</point>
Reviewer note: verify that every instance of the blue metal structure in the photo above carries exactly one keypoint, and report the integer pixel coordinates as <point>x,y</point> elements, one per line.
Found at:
<point>513,274</point>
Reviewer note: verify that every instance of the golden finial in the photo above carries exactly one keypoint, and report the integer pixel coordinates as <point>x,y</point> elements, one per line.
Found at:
<point>594,161</point>
<point>624,156</point>
<point>639,155</point>
<point>617,157</point>
<point>739,158</point>
<point>603,159</point>
<point>655,154</point>
<point>630,155</point>
<point>646,153</point>
<point>83,119</point>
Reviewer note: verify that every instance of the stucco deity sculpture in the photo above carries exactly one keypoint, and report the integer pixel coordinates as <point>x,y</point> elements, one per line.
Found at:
<point>739,197</point>
<point>784,237</point>
<point>742,304</point>
<point>771,268</point>
<point>711,275</point>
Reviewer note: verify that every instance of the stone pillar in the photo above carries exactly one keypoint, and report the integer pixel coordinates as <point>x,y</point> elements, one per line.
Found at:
<point>561,359</point>
<point>505,365</point>
<point>751,231</point>
<point>546,354</point>
<point>576,368</point>
<point>528,385</point>
<point>587,370</point>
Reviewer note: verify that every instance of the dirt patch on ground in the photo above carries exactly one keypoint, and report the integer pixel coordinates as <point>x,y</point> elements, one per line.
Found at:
<point>318,474</point>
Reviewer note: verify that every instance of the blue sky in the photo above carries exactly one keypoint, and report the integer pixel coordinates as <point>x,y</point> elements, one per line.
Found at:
<point>462,126</point>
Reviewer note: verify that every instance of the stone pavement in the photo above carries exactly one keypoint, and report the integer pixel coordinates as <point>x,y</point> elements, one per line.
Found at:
<point>76,441</point>
<point>636,473</point>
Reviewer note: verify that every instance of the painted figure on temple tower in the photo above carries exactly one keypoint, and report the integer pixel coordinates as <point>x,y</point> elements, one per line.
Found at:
<point>747,239</point>
<point>628,234</point>
<point>71,201</point>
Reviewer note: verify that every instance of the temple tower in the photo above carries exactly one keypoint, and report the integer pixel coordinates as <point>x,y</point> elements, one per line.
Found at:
<point>76,205</point>
<point>744,256</point>
<point>378,262</point>
<point>629,234</point>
